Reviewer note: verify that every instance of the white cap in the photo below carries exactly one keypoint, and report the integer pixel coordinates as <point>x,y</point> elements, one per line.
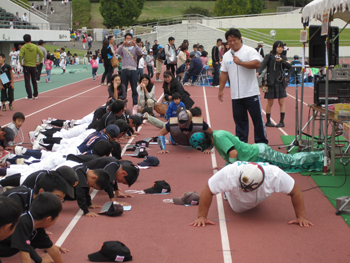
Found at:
<point>251,177</point>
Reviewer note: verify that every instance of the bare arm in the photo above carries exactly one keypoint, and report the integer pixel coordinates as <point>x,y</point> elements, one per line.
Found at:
<point>223,80</point>
<point>54,252</point>
<point>25,257</point>
<point>299,208</point>
<point>203,208</point>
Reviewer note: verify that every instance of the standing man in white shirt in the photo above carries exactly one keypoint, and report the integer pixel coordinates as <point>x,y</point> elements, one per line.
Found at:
<point>248,184</point>
<point>63,59</point>
<point>25,18</point>
<point>240,66</point>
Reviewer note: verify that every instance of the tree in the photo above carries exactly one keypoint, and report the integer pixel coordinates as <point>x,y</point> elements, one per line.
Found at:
<point>117,13</point>
<point>256,6</point>
<point>232,7</point>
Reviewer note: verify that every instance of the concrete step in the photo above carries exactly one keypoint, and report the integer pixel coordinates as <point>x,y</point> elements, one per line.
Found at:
<point>61,14</point>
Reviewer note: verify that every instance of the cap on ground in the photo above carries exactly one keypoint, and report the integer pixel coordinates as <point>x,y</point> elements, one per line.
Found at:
<point>149,161</point>
<point>111,251</point>
<point>189,198</point>
<point>158,187</point>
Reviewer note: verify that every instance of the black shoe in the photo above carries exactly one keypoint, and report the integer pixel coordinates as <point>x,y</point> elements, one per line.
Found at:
<point>281,124</point>
<point>269,124</point>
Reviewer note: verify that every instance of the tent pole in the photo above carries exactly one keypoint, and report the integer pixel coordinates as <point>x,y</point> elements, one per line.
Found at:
<point>326,107</point>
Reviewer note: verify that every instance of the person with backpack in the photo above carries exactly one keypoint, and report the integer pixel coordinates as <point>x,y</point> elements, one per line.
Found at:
<point>160,59</point>
<point>170,55</point>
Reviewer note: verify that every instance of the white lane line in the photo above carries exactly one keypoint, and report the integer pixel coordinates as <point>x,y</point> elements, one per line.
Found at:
<point>298,99</point>
<point>272,120</point>
<point>78,215</point>
<point>222,222</point>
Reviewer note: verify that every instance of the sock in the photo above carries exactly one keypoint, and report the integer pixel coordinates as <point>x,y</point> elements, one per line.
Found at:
<point>282,117</point>
<point>268,117</point>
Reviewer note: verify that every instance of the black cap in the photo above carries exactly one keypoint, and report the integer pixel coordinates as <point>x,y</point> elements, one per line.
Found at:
<point>70,178</point>
<point>112,251</point>
<point>112,209</point>
<point>140,152</point>
<point>149,161</point>
<point>142,143</point>
<point>158,187</point>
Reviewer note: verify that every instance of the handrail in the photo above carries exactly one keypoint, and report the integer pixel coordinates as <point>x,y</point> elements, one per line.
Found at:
<point>28,7</point>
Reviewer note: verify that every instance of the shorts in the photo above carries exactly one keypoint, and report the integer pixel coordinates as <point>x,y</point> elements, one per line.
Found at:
<point>159,67</point>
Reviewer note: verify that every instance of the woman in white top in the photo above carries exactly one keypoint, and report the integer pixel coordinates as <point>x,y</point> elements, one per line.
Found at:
<point>181,58</point>
<point>146,91</point>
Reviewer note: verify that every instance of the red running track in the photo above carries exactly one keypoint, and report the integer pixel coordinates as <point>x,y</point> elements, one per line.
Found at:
<point>159,232</point>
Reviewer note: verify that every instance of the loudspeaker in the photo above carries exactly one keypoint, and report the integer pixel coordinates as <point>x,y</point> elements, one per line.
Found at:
<point>317,47</point>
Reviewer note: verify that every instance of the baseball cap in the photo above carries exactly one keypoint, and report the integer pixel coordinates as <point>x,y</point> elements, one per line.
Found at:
<point>112,209</point>
<point>112,130</point>
<point>112,251</point>
<point>189,198</point>
<point>150,50</point>
<point>70,178</point>
<point>158,187</point>
<point>251,177</point>
<point>132,171</point>
<point>160,46</point>
<point>140,152</point>
<point>142,143</point>
<point>149,161</point>
<point>9,136</point>
<point>184,118</point>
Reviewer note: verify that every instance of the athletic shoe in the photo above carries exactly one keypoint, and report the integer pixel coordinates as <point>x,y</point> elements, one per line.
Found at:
<point>10,106</point>
<point>269,124</point>
<point>217,86</point>
<point>45,126</point>
<point>3,157</point>
<point>38,81</point>
<point>65,125</point>
<point>3,107</point>
<point>20,161</point>
<point>94,79</point>
<point>187,84</point>
<point>49,81</point>
<point>29,98</point>
<point>18,150</point>
<point>39,128</point>
<point>145,116</point>
<point>38,146</point>
<point>40,138</point>
<point>46,80</point>
<point>279,125</point>
<point>72,122</point>
<point>32,136</point>
<point>329,164</point>
<point>36,97</point>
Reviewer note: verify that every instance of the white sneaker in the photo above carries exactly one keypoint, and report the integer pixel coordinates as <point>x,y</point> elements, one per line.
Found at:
<point>40,138</point>
<point>19,150</point>
<point>32,136</point>
<point>3,158</point>
<point>187,84</point>
<point>37,146</point>
<point>39,128</point>
<point>72,122</point>
<point>65,125</point>
<point>45,126</point>
<point>217,86</point>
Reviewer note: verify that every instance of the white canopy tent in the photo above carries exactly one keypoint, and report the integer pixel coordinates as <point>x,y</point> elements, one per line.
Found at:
<point>335,9</point>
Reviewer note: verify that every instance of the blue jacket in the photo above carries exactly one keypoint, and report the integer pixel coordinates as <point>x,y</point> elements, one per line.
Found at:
<point>196,66</point>
<point>171,111</point>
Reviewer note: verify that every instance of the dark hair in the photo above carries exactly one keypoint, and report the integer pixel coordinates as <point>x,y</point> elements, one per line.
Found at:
<point>112,79</point>
<point>50,183</point>
<point>218,40</point>
<point>127,34</point>
<point>183,47</point>
<point>93,57</point>
<point>102,178</point>
<point>109,37</point>
<point>188,61</point>
<point>10,211</point>
<point>204,53</point>
<point>48,56</point>
<point>116,106</point>
<point>62,48</point>
<point>40,42</point>
<point>116,150</point>
<point>201,46</point>
<point>133,173</point>
<point>18,115</point>
<point>233,32</point>
<point>102,148</point>
<point>149,110</point>
<point>275,46</point>
<point>105,43</point>
<point>45,205</point>
<point>27,38</point>
<point>192,55</point>
<point>168,73</point>
<point>138,40</point>
<point>196,112</point>
<point>122,125</point>
<point>170,39</point>
<point>176,96</point>
<point>2,55</point>
<point>150,84</point>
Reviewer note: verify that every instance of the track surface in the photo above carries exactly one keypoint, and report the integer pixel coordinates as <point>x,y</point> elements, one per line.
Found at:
<point>159,232</point>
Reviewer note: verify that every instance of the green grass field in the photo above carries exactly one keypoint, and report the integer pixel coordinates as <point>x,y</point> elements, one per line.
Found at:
<point>51,48</point>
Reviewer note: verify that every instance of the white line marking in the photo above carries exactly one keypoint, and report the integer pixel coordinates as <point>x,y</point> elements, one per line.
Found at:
<point>78,215</point>
<point>298,99</point>
<point>222,222</point>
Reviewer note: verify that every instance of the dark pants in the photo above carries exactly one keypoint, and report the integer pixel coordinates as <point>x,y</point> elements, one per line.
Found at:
<point>35,153</point>
<point>94,71</point>
<point>7,94</point>
<point>172,67</point>
<point>130,76</point>
<point>39,69</point>
<point>108,73</point>
<point>150,71</point>
<point>140,74</point>
<point>216,78</point>
<point>155,60</point>
<point>190,76</point>
<point>240,108</point>
<point>30,73</point>
<point>57,62</point>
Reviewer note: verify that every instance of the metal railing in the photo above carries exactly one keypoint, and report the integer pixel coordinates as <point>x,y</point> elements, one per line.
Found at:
<point>28,7</point>
<point>22,25</point>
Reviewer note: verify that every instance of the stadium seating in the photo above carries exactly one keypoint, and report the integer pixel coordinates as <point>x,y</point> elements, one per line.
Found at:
<point>6,18</point>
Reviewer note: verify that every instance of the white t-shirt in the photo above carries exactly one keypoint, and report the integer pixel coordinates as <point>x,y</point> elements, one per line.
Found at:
<point>227,180</point>
<point>243,81</point>
<point>141,63</point>
<point>63,55</point>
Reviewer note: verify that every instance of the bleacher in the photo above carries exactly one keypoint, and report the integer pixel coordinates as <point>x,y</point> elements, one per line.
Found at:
<point>6,18</point>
